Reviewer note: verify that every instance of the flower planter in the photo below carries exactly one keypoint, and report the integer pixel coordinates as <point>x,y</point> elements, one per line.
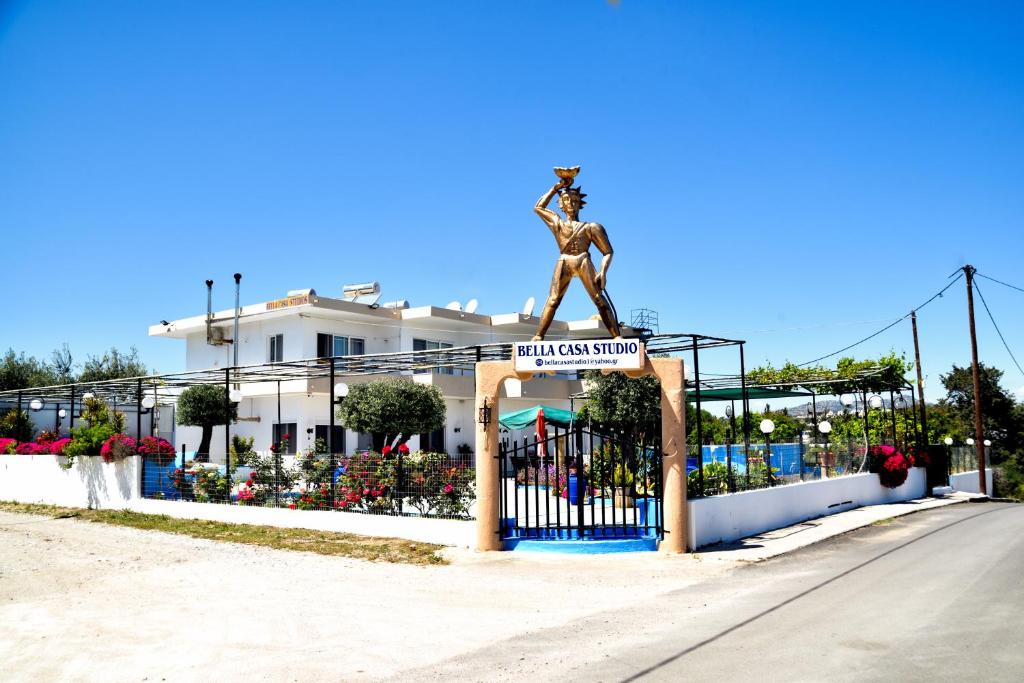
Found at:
<point>623,498</point>
<point>575,483</point>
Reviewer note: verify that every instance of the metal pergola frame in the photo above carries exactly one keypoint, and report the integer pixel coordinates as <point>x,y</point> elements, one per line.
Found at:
<point>164,388</point>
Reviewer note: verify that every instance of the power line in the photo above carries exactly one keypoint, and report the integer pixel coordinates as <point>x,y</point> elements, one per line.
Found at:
<point>887,327</point>
<point>1005,284</point>
<point>1001,337</point>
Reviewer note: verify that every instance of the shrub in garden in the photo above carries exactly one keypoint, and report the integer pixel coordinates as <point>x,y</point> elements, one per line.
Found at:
<point>117,447</point>
<point>15,424</point>
<point>889,464</point>
<point>210,485</point>
<point>432,485</point>
<point>58,446</point>
<point>30,448</point>
<point>159,447</point>
<point>7,445</point>
<point>241,449</point>
<point>98,425</point>
<point>367,482</point>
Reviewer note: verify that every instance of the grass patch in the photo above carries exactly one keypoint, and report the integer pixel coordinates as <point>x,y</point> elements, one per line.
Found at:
<point>372,548</point>
<point>883,522</point>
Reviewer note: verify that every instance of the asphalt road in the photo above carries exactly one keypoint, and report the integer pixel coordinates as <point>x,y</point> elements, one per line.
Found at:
<point>934,596</point>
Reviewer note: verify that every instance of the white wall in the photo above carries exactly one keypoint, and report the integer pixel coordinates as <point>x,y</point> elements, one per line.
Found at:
<point>967,482</point>
<point>734,516</point>
<point>90,483</point>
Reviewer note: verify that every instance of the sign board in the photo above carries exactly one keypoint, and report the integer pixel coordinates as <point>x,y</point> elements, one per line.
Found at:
<point>578,354</point>
<point>288,303</point>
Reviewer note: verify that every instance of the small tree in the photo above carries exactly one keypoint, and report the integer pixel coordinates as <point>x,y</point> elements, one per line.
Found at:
<point>387,408</point>
<point>627,405</point>
<point>206,406</point>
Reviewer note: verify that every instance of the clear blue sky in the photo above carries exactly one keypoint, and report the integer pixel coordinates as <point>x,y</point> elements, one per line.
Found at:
<point>790,173</point>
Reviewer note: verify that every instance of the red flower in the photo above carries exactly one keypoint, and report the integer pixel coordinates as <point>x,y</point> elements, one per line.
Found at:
<point>292,506</point>
<point>386,450</point>
<point>448,488</point>
<point>248,482</point>
<point>403,449</point>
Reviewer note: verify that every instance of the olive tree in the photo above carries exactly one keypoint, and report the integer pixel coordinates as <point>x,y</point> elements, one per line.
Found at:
<point>389,407</point>
<point>206,406</point>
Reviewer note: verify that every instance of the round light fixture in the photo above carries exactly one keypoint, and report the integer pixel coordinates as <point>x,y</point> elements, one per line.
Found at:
<point>148,402</point>
<point>948,441</point>
<point>846,400</point>
<point>62,413</point>
<point>88,396</point>
<point>728,410</point>
<point>987,442</point>
<point>341,390</point>
<point>35,404</point>
<point>825,427</point>
<point>901,402</point>
<point>970,441</point>
<point>767,426</point>
<point>235,395</point>
<point>875,401</point>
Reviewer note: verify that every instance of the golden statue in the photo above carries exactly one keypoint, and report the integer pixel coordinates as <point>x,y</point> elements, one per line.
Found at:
<point>574,238</point>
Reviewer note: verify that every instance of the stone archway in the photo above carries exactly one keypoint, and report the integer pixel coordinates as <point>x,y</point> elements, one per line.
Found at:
<point>489,378</point>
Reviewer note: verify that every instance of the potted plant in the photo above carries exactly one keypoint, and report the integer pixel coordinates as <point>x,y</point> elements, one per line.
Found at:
<point>622,485</point>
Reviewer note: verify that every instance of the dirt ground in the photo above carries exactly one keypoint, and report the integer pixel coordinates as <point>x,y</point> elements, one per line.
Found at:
<point>91,602</point>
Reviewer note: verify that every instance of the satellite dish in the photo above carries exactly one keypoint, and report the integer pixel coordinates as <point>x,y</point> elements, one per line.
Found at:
<point>454,306</point>
<point>528,306</point>
<point>471,306</point>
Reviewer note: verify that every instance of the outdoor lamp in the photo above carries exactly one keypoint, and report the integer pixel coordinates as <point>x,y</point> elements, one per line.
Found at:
<point>901,402</point>
<point>36,405</point>
<point>485,414</point>
<point>825,427</point>
<point>148,402</point>
<point>728,410</point>
<point>846,400</point>
<point>875,401</point>
<point>235,395</point>
<point>970,441</point>
<point>948,441</point>
<point>767,426</point>
<point>341,390</point>
<point>62,413</point>
<point>987,442</point>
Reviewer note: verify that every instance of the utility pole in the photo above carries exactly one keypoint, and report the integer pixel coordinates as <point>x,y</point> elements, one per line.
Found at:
<point>920,378</point>
<point>979,432</point>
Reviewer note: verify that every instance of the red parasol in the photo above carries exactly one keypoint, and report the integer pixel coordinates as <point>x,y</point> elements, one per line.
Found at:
<point>542,449</point>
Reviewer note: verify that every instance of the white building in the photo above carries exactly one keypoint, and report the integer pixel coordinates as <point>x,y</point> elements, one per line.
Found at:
<point>306,325</point>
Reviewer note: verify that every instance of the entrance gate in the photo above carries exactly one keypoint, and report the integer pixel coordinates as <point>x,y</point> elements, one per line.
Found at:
<point>581,484</point>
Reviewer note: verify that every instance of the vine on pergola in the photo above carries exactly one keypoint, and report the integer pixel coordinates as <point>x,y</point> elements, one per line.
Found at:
<point>849,375</point>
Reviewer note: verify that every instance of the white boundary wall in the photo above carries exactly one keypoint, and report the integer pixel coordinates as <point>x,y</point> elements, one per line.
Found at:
<point>967,482</point>
<point>90,483</point>
<point>734,516</point>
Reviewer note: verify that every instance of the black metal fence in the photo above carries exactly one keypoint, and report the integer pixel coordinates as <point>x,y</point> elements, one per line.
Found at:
<point>732,468</point>
<point>581,484</point>
<point>420,483</point>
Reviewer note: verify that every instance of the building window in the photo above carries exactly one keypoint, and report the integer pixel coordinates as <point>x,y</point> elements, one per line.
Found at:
<point>291,430</point>
<point>328,345</point>
<point>433,442</point>
<point>430,345</point>
<point>275,353</point>
<point>338,446</point>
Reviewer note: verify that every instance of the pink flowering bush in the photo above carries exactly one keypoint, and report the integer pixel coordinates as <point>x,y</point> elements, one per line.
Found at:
<point>889,464</point>
<point>7,445</point>
<point>159,447</point>
<point>117,447</point>
<point>57,446</point>
<point>31,448</point>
